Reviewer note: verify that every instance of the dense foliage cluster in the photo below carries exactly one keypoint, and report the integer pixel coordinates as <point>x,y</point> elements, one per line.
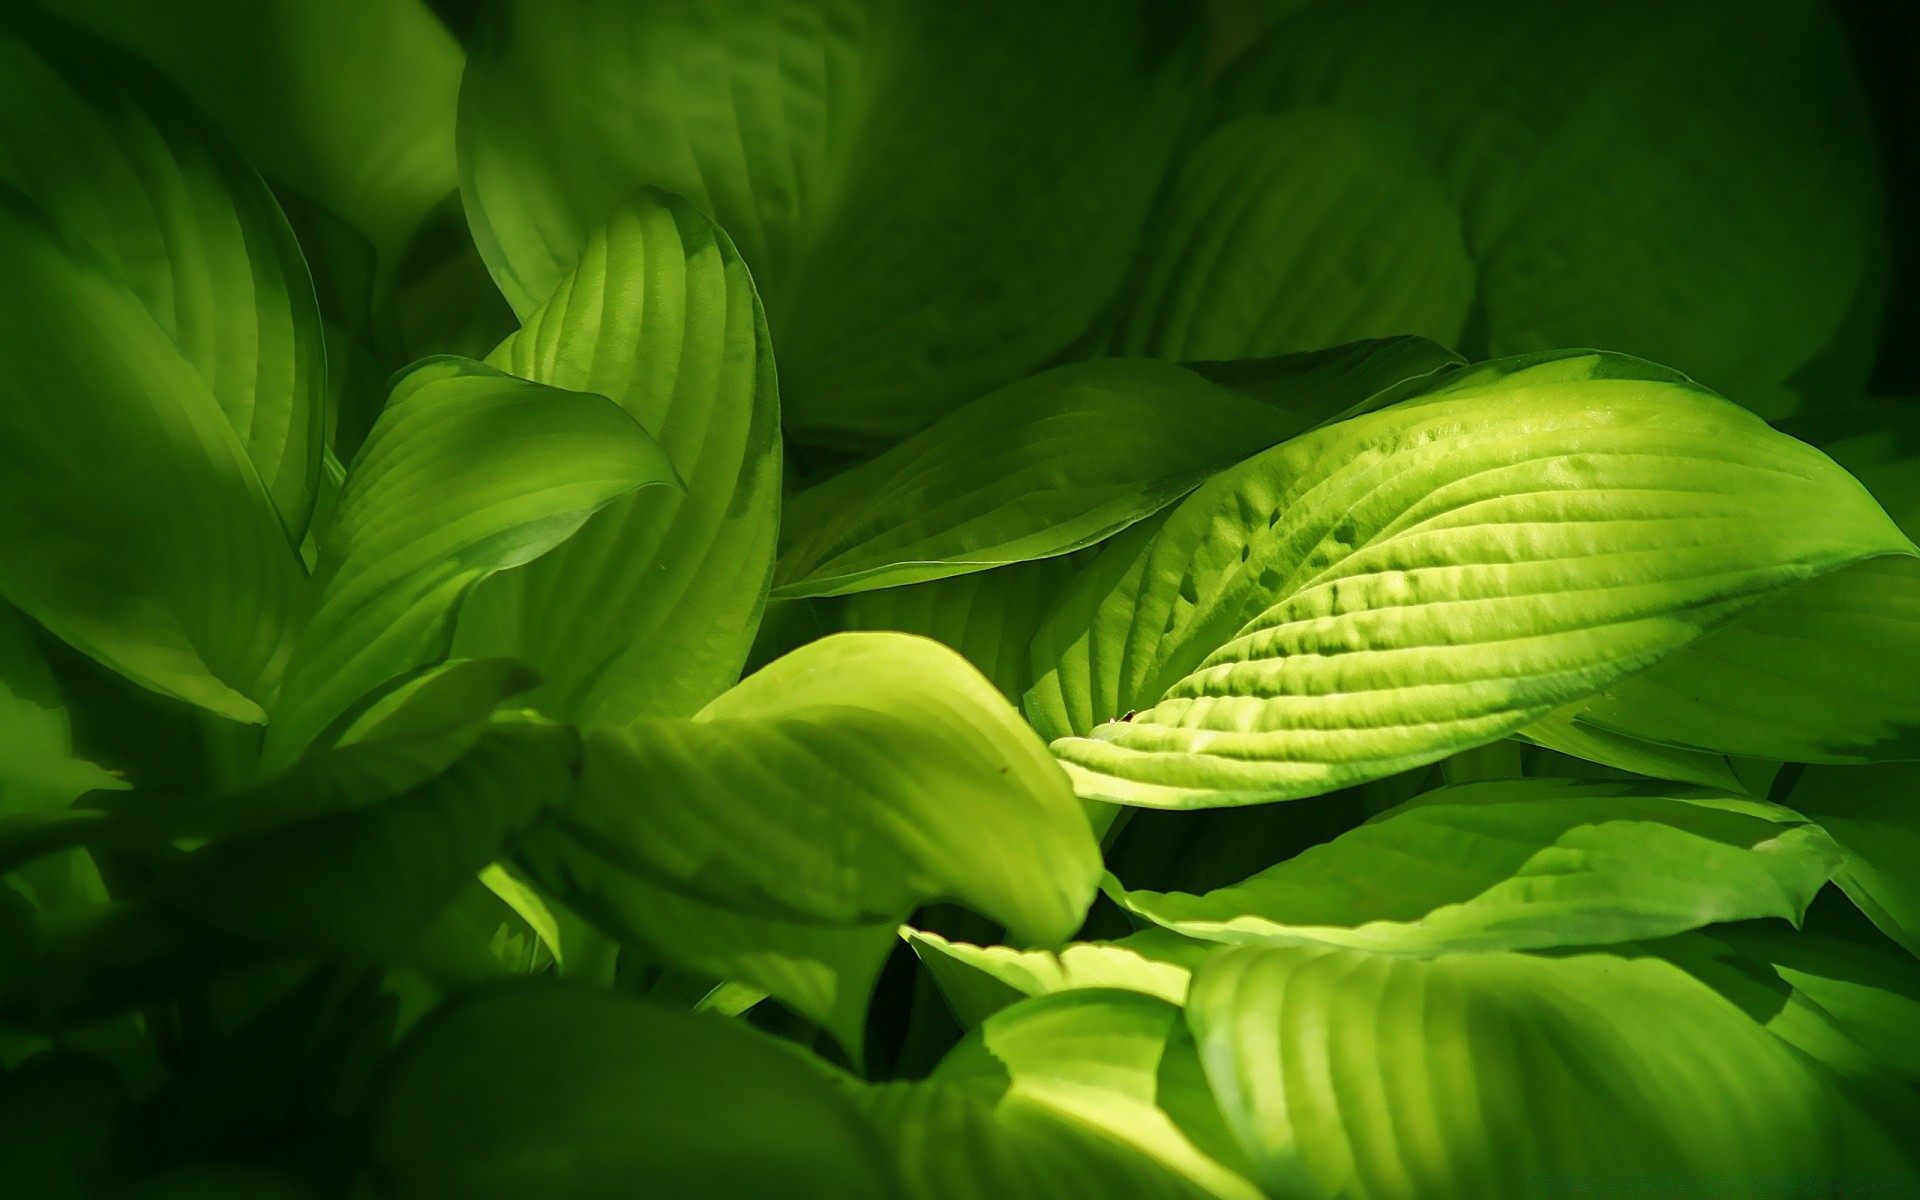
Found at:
<point>1011,599</point>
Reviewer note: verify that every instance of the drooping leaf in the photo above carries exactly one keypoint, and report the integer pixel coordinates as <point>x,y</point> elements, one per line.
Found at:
<point>1348,1073</point>
<point>860,776</point>
<point>1694,183</point>
<point>127,169</point>
<point>1293,232</point>
<point>1874,814</point>
<point>193,597</point>
<point>934,201</point>
<point>1322,386</point>
<point>544,1089</point>
<point>1430,577</point>
<point>1050,464</point>
<point>349,104</point>
<point>1521,864</point>
<point>467,472</point>
<point>650,610</point>
<point>978,981</point>
<point>1054,1098</point>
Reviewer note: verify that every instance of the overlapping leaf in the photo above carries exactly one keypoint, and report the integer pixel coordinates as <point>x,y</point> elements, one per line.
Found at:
<point>133,524</point>
<point>1521,864</point>
<point>898,175</point>
<point>1430,577</point>
<point>650,609</point>
<point>978,981</point>
<point>38,770</point>
<point>1874,815</point>
<point>1348,1073</point>
<point>467,472</point>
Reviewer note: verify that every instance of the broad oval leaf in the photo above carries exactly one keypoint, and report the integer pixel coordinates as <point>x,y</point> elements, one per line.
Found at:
<point>649,610</point>
<point>1292,232</point>
<point>467,472</point>
<point>934,200</point>
<point>1432,576</point>
<point>851,781</point>
<point>126,167</point>
<point>1521,864</point>
<point>1692,183</point>
<point>133,523</point>
<point>550,1090</point>
<point>1355,1074</point>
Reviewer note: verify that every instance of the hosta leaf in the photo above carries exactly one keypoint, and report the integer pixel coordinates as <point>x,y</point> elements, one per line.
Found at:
<point>1044,466</point>
<point>194,597</point>
<point>1817,675</point>
<point>542,1089</point>
<point>1564,732</point>
<point>467,472</point>
<point>901,177</point>
<point>650,610</point>
<point>1692,183</point>
<point>349,104</point>
<point>978,981</point>
<point>38,771</point>
<point>1354,1074</point>
<point>988,616</point>
<point>1053,1098</point>
<point>1293,232</point>
<point>1322,386</point>
<point>367,879</point>
<point>853,780</point>
<point>129,170</point>
<point>1874,815</point>
<point>1521,864</point>
<point>1432,576</point>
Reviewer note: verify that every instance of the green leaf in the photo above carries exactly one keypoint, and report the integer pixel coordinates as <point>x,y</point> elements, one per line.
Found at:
<point>543,1089</point>
<point>934,201</point>
<point>38,771</point>
<point>990,617</point>
<point>1042,467</point>
<point>1564,732</point>
<point>368,878</point>
<point>1054,1098</point>
<point>351,104</point>
<point>1322,386</point>
<point>1802,678</point>
<point>1694,183</point>
<point>128,169</point>
<point>467,472</point>
<point>1874,815</point>
<point>1391,589</point>
<point>855,779</point>
<point>978,981</point>
<point>1521,864</point>
<point>193,598</point>
<point>1354,1074</point>
<point>650,610</point>
<point>1293,232</point>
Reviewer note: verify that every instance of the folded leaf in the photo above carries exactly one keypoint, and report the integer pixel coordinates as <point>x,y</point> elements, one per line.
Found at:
<point>542,1089</point>
<point>127,168</point>
<point>1874,815</point>
<point>934,201</point>
<point>978,981</point>
<point>853,780</point>
<point>134,525</point>
<point>467,472</point>
<point>650,610</point>
<point>1354,1074</point>
<point>1692,183</point>
<point>1521,864</point>
<point>1293,232</point>
<point>1385,591</point>
<point>349,104</point>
